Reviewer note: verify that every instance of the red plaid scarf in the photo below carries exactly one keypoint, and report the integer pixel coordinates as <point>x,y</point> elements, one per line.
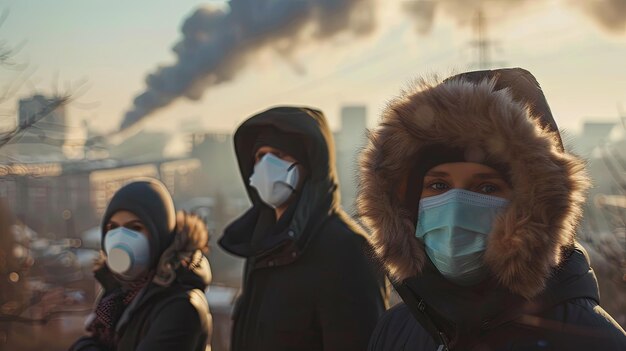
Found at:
<point>110,309</point>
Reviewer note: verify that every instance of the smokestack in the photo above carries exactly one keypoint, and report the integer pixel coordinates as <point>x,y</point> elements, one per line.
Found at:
<point>218,43</point>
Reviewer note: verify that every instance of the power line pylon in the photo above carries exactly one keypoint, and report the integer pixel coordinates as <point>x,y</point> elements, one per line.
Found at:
<point>483,44</point>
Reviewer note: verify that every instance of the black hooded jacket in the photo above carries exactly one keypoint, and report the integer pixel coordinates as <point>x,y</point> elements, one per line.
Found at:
<point>565,316</point>
<point>173,317</point>
<point>541,293</point>
<point>309,283</point>
<point>171,311</point>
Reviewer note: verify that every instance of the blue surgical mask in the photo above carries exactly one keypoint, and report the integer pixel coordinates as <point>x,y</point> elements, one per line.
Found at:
<point>454,227</point>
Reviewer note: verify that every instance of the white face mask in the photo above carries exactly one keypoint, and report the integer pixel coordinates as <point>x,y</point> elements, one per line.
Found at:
<point>274,179</point>
<point>128,252</point>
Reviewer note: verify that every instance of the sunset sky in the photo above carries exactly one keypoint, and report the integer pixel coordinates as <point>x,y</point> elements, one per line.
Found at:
<point>576,49</point>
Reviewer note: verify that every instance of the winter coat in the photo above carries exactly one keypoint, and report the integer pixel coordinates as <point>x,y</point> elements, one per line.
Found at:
<point>309,284</point>
<point>541,293</point>
<point>564,316</point>
<point>170,313</point>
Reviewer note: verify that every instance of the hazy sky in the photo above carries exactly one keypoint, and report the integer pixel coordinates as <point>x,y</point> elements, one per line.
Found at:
<point>577,53</point>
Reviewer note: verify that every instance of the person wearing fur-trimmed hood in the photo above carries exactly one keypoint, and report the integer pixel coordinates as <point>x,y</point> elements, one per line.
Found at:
<point>474,205</point>
<point>153,273</point>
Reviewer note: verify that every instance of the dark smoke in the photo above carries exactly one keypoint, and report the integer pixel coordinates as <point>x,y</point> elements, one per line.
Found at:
<point>609,14</point>
<point>424,12</point>
<point>217,44</point>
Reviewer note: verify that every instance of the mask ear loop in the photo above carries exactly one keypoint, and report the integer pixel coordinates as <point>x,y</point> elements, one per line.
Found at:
<point>292,166</point>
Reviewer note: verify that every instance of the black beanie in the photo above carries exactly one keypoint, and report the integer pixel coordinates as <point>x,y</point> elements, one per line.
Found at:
<point>149,200</point>
<point>288,143</point>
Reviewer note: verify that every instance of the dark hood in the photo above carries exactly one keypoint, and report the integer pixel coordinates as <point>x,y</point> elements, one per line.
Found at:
<point>319,195</point>
<point>307,123</point>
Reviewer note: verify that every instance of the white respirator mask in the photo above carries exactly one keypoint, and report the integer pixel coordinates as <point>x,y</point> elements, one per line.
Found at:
<point>128,252</point>
<point>274,179</point>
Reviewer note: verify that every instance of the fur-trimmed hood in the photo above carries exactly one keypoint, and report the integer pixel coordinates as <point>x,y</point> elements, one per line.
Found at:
<point>501,114</point>
<point>183,260</point>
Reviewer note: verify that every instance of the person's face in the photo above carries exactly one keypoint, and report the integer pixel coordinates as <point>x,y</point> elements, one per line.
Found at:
<point>282,155</point>
<point>128,220</point>
<point>271,150</point>
<point>470,176</point>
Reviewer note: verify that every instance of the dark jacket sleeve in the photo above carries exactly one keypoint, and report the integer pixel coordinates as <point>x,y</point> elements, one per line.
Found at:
<point>580,324</point>
<point>398,330</point>
<point>351,296</point>
<point>87,343</point>
<point>177,326</point>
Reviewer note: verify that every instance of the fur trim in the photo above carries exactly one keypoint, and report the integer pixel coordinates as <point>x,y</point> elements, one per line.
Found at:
<point>548,184</point>
<point>190,242</point>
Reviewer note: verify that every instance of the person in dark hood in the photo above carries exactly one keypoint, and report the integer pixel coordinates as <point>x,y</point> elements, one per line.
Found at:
<point>153,272</point>
<point>474,205</point>
<point>309,283</point>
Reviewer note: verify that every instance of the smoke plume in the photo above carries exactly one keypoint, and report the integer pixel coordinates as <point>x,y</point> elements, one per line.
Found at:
<point>218,43</point>
<point>609,14</point>
<point>424,12</point>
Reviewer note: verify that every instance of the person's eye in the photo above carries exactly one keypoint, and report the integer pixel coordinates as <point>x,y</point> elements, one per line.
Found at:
<point>438,186</point>
<point>136,227</point>
<point>488,188</point>
<point>111,226</point>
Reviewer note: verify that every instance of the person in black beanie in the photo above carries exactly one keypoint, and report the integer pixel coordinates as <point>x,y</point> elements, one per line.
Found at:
<point>308,281</point>
<point>153,272</point>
